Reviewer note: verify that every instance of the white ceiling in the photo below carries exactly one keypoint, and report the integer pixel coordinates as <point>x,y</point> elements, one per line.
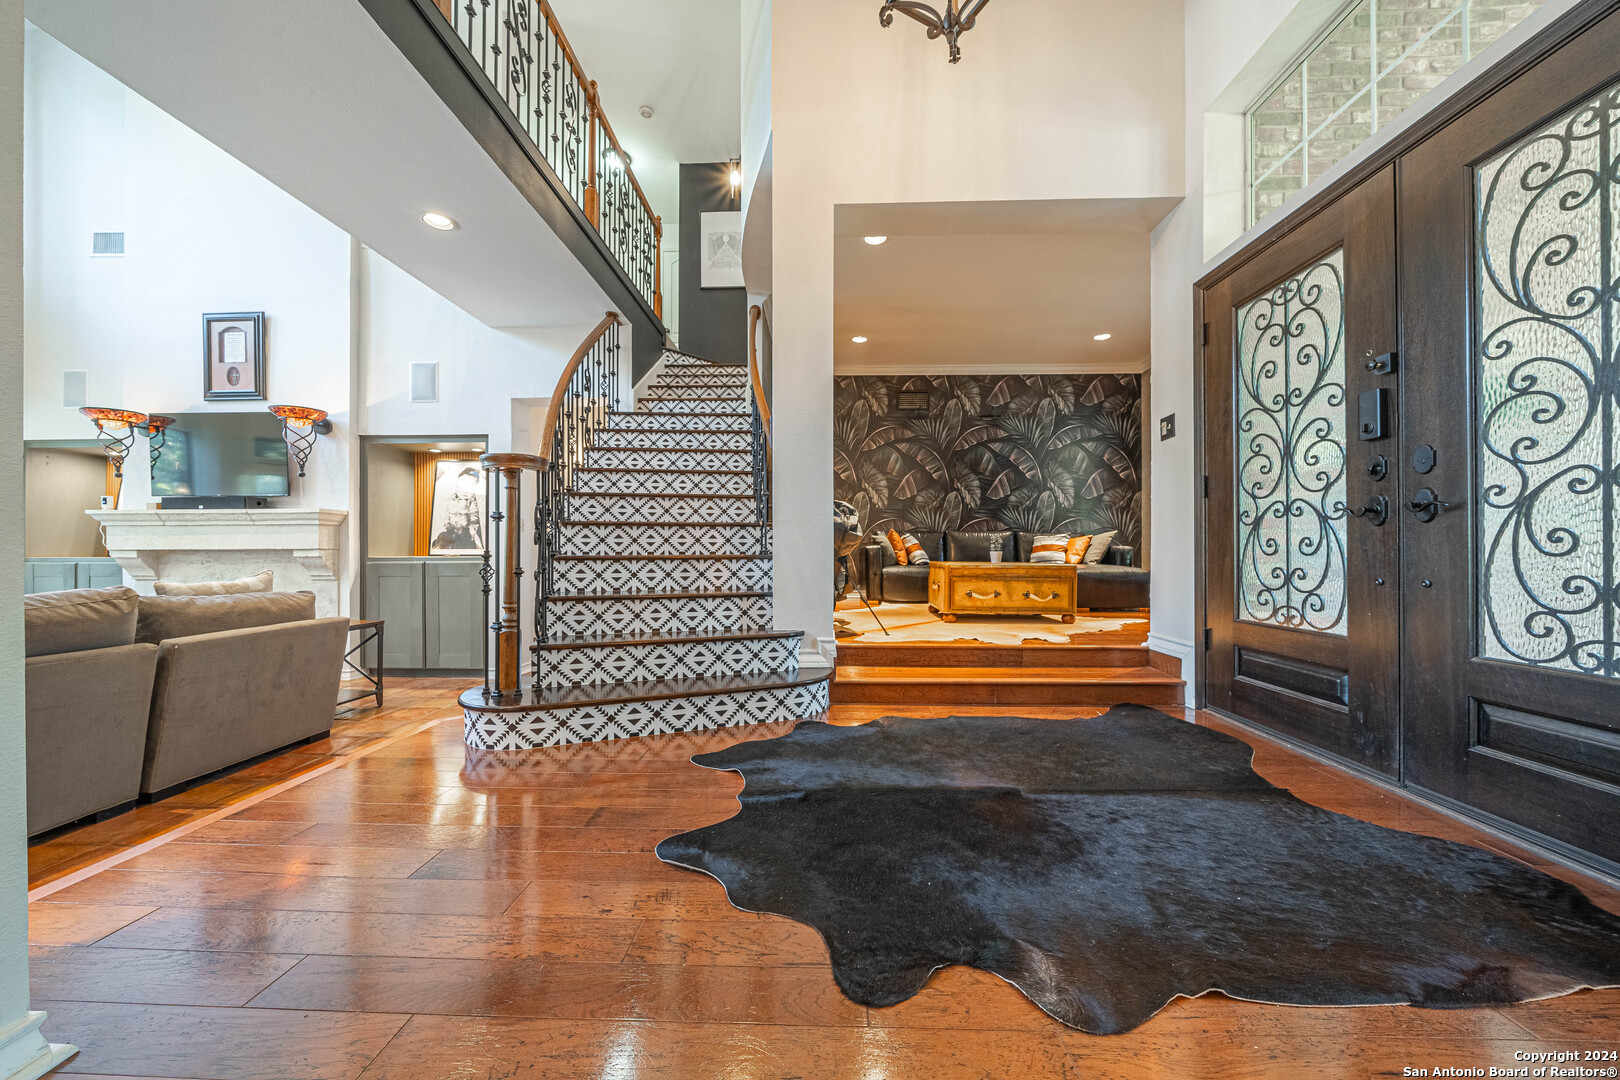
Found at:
<point>974,287</point>
<point>314,97</point>
<point>682,57</point>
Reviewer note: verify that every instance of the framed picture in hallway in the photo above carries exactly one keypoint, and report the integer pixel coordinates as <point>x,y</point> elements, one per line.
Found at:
<point>457,523</point>
<point>233,356</point>
<point>721,234</point>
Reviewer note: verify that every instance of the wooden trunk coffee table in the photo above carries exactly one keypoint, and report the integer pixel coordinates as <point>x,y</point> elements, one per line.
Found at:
<point>1006,588</point>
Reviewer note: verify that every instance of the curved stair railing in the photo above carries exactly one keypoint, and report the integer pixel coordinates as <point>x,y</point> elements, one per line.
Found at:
<point>762,434</point>
<point>527,62</point>
<point>587,394</point>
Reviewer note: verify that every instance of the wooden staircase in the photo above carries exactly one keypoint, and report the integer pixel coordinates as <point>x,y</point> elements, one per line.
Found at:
<point>970,673</point>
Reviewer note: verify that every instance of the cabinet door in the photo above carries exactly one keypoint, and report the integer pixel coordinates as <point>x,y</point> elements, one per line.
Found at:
<point>99,573</point>
<point>454,614</point>
<point>50,575</point>
<point>394,594</point>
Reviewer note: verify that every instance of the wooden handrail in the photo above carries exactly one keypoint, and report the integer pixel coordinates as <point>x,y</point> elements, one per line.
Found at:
<point>755,313</point>
<point>548,430</point>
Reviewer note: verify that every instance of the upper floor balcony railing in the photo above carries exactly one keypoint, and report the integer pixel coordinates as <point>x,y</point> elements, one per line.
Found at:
<point>526,58</point>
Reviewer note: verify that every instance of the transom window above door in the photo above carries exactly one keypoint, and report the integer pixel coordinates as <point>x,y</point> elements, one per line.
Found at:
<point>1367,68</point>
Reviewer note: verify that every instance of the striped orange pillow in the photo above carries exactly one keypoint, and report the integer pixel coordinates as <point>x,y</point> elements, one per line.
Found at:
<point>1075,549</point>
<point>915,555</point>
<point>898,544</point>
<point>1049,547</point>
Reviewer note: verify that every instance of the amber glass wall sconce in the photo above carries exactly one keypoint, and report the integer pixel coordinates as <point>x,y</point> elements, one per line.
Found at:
<point>313,422</point>
<point>115,430</point>
<point>157,428</point>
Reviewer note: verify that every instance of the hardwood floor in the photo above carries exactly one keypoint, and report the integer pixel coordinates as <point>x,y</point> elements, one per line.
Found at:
<point>416,913</point>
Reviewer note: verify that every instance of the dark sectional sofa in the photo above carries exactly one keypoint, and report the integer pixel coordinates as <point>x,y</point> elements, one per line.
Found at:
<point>1114,584</point>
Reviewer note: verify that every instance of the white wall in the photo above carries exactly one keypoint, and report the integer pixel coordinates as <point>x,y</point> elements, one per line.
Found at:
<point>203,233</point>
<point>1221,36</point>
<point>1054,100</point>
<point>23,1052</point>
<point>480,369</point>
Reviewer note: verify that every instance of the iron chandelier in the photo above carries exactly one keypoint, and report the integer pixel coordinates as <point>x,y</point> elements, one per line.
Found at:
<point>957,20</point>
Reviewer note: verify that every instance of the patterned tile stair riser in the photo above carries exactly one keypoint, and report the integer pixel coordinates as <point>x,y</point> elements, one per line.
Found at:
<point>673,440</point>
<point>672,509</point>
<point>679,421</point>
<point>659,482</point>
<point>678,406</point>
<point>727,396</point>
<point>672,460</point>
<point>642,661</point>
<point>623,615</point>
<point>620,720</point>
<point>705,573</point>
<point>599,538</point>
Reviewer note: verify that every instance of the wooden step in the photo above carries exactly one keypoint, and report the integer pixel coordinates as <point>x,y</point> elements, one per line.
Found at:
<point>1004,685</point>
<point>873,651</point>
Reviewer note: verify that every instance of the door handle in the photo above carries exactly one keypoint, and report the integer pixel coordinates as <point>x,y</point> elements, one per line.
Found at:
<point>1376,511</point>
<point>1427,505</point>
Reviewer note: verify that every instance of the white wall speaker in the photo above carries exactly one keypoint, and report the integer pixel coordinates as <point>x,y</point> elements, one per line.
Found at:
<point>75,389</point>
<point>425,382</point>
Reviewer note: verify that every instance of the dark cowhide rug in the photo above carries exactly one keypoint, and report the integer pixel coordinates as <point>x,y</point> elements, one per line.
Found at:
<point>1105,866</point>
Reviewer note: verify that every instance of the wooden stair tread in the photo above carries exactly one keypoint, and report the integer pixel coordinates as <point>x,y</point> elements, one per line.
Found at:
<point>692,472</point>
<point>661,637</point>
<point>672,524</point>
<point>531,700</point>
<point>655,495</point>
<point>1132,675</point>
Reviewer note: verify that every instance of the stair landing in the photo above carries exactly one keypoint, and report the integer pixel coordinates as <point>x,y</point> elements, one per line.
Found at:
<point>977,674</point>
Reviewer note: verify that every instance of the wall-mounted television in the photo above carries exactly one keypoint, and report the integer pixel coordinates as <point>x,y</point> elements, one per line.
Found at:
<point>222,453</point>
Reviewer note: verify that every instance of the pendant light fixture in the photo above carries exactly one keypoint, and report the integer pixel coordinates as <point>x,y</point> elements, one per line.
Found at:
<point>957,19</point>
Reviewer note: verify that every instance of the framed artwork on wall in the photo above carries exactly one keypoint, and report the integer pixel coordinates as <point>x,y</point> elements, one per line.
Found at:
<point>721,237</point>
<point>233,356</point>
<point>457,522</point>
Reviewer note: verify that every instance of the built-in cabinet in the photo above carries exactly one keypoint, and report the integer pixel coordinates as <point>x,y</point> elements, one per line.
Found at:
<point>55,575</point>
<point>433,609</point>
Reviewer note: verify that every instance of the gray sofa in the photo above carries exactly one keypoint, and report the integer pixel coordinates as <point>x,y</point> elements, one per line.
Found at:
<point>89,690</point>
<point>131,696</point>
<point>1114,584</point>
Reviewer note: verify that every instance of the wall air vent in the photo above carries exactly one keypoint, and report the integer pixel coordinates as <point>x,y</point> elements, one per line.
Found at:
<point>75,389</point>
<point>107,243</point>
<point>425,382</point>
<point>910,401</point>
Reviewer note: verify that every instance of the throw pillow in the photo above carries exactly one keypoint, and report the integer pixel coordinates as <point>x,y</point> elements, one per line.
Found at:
<point>1075,550</point>
<point>1049,548</point>
<point>263,581</point>
<point>1099,547</point>
<point>915,555</point>
<point>898,544</point>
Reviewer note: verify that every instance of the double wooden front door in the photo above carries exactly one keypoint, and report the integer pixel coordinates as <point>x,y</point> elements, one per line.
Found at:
<point>1468,645</point>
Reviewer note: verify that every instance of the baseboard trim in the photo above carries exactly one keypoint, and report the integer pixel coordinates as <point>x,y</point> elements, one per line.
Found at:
<point>24,1053</point>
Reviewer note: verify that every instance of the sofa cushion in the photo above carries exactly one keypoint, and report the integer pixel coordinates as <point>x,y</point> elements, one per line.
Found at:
<point>163,618</point>
<point>263,581</point>
<point>1099,546</point>
<point>976,546</point>
<point>905,584</point>
<point>1113,573</point>
<point>78,619</point>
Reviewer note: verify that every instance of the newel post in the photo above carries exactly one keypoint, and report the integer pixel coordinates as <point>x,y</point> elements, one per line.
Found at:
<point>504,491</point>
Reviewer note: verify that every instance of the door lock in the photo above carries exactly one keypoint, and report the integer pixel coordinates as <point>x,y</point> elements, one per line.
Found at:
<point>1427,505</point>
<point>1376,511</point>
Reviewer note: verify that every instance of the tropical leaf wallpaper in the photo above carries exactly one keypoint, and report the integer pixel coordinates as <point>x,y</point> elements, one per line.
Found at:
<point>1040,453</point>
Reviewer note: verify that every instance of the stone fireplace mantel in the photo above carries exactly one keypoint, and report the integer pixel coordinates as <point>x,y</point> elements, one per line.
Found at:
<point>302,547</point>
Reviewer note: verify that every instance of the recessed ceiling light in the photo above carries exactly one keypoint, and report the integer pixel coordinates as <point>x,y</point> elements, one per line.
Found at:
<point>1101,337</point>
<point>859,339</point>
<point>874,240</point>
<point>434,450</point>
<point>435,220</point>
